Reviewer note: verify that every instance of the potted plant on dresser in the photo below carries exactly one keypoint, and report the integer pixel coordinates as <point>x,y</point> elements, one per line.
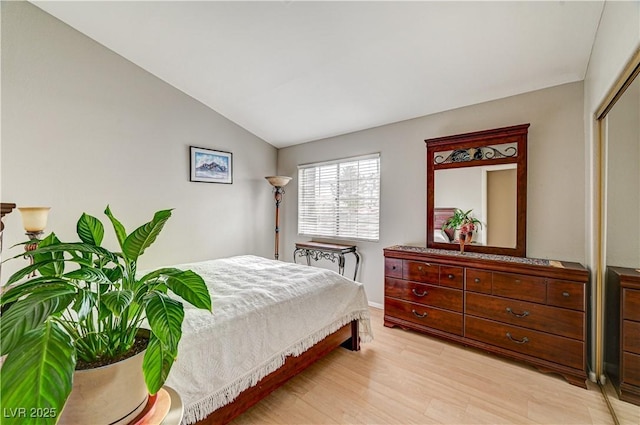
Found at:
<point>77,328</point>
<point>464,224</point>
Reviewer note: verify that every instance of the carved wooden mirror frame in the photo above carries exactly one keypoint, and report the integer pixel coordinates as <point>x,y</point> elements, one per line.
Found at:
<point>476,149</point>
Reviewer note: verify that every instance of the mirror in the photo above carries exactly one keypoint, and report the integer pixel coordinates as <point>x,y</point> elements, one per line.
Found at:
<point>489,192</point>
<point>619,123</point>
<point>483,173</point>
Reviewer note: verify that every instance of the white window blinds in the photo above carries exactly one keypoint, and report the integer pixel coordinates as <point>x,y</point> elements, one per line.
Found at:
<point>340,198</point>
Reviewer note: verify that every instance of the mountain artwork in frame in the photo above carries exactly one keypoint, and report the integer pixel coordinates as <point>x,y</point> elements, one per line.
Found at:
<point>211,166</point>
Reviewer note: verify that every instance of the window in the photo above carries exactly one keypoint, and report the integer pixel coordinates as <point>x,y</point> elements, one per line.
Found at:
<point>340,198</point>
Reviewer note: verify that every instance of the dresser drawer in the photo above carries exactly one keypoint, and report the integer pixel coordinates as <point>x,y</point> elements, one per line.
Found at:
<point>543,318</point>
<point>435,296</point>
<point>631,336</point>
<point>421,272</point>
<point>451,276</point>
<point>566,294</point>
<point>393,267</point>
<point>478,281</point>
<point>557,349</point>
<point>520,287</point>
<point>425,316</point>
<point>631,368</point>
<point>631,304</point>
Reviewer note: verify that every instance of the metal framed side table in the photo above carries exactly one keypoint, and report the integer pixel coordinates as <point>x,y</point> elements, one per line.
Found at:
<point>328,251</point>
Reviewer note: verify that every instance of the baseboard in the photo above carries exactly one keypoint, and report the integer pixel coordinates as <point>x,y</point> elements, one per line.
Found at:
<point>376,305</point>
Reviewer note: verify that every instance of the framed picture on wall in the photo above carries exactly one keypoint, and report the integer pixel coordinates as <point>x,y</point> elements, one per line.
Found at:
<point>211,166</point>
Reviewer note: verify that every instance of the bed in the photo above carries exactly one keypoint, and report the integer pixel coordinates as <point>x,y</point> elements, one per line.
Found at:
<point>270,320</point>
<point>440,217</point>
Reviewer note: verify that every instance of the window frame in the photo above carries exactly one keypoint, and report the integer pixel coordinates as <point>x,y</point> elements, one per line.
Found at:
<point>336,234</point>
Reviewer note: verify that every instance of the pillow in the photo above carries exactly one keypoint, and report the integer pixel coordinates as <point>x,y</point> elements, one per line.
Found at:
<point>440,236</point>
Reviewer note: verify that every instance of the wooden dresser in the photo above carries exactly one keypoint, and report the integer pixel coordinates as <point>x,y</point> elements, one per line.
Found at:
<point>525,309</point>
<point>622,336</point>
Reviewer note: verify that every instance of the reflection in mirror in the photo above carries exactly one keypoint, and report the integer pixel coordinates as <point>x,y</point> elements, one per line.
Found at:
<point>623,180</point>
<point>484,172</point>
<point>621,248</point>
<point>489,192</point>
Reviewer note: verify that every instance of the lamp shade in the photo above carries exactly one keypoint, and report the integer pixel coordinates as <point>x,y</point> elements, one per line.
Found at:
<point>278,181</point>
<point>34,219</point>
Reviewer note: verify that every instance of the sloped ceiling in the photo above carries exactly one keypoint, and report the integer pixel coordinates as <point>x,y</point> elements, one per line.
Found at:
<point>296,71</point>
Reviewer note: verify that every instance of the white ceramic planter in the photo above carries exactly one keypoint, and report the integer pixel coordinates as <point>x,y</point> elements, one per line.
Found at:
<point>112,394</point>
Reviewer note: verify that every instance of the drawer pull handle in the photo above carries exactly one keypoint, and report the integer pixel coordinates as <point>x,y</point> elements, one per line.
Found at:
<point>394,267</point>
<point>424,293</point>
<point>525,314</point>
<point>565,294</point>
<point>521,341</point>
<point>421,316</point>
<point>476,280</point>
<point>450,276</point>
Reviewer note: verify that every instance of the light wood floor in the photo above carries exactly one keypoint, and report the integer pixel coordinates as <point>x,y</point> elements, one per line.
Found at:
<point>406,378</point>
<point>626,413</point>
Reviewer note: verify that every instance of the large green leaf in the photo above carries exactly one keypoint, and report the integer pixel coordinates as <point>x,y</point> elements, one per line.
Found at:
<point>75,247</point>
<point>37,378</point>
<point>103,311</point>
<point>191,288</point>
<point>156,364</point>
<point>52,263</point>
<point>90,229</point>
<point>165,271</point>
<point>114,274</point>
<point>24,288</point>
<point>89,275</point>
<point>155,280</point>
<point>25,271</point>
<point>118,228</point>
<point>141,238</point>
<point>117,301</point>
<point>165,317</point>
<point>142,290</point>
<point>49,240</point>
<point>85,302</point>
<point>17,276</point>
<point>28,313</point>
<point>186,284</point>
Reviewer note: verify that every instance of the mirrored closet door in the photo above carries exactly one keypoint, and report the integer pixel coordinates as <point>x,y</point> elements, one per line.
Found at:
<point>619,124</point>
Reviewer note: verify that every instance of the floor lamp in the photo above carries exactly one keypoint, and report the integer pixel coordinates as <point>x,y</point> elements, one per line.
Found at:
<point>278,183</point>
<point>34,221</point>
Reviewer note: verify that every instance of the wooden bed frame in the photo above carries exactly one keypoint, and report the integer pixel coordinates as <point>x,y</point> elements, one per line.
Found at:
<point>347,336</point>
<point>440,216</point>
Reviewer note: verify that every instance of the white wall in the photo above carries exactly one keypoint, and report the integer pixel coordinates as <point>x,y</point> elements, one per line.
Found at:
<point>617,39</point>
<point>82,128</point>
<point>622,199</point>
<point>555,172</point>
<point>468,190</point>
<point>462,188</point>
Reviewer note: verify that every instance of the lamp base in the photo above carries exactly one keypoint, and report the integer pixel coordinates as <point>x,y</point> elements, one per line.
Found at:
<point>34,239</point>
<point>32,245</point>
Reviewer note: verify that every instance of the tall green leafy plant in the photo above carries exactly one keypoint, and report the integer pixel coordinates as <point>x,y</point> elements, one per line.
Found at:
<point>86,302</point>
<point>462,219</point>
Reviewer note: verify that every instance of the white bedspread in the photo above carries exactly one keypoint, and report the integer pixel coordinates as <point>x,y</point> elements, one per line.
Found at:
<point>263,311</point>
